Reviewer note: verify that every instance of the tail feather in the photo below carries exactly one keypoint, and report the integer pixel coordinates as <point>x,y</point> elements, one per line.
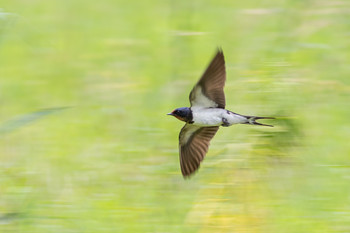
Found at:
<point>251,120</point>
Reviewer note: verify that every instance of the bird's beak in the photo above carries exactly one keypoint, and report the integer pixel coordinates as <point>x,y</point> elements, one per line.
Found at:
<point>171,114</point>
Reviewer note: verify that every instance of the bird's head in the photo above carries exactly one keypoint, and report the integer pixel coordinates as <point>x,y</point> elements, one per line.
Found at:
<point>183,114</point>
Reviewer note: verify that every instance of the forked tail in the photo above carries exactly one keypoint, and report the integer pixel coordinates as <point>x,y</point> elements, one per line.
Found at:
<point>251,120</point>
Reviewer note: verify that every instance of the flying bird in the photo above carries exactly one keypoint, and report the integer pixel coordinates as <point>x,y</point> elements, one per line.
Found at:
<point>206,114</point>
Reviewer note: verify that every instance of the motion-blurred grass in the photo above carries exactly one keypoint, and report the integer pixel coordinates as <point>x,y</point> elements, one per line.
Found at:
<point>107,161</point>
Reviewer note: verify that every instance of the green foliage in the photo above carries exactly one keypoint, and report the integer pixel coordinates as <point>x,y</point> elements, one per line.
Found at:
<point>109,162</point>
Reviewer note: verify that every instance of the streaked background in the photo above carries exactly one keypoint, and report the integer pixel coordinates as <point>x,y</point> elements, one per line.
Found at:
<point>85,145</point>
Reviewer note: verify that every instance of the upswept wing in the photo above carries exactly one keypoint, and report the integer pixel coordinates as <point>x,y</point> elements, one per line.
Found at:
<point>209,90</point>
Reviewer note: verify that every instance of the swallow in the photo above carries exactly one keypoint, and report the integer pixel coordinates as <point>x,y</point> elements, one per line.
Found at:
<point>206,114</point>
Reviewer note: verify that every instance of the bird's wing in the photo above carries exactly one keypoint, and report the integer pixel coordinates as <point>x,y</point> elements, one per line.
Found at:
<point>193,145</point>
<point>209,90</point>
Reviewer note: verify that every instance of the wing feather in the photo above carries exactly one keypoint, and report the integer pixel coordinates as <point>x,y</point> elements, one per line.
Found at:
<point>209,90</point>
<point>194,143</point>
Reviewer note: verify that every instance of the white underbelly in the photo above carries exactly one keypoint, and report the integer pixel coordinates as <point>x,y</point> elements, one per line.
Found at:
<point>214,117</point>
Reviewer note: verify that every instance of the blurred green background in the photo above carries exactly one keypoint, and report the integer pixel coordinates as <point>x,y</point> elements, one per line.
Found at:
<point>85,145</point>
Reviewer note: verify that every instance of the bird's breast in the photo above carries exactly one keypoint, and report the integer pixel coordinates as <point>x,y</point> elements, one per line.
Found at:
<point>214,117</point>
<point>207,116</point>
